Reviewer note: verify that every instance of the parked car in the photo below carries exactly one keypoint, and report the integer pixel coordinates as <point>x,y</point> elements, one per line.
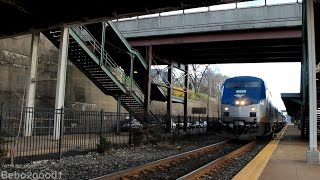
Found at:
<point>173,125</point>
<point>203,124</point>
<point>180,125</point>
<point>196,124</point>
<point>135,124</point>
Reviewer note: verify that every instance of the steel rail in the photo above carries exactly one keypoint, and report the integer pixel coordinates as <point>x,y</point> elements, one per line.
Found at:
<point>213,166</point>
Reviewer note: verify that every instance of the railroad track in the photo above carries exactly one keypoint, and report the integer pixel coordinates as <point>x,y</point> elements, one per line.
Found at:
<point>180,166</point>
<point>211,168</point>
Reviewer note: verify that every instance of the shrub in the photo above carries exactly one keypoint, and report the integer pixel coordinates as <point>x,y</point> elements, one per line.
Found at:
<point>137,136</point>
<point>156,135</point>
<point>2,154</point>
<point>178,92</point>
<point>104,145</point>
<point>191,94</point>
<point>2,151</point>
<point>174,137</point>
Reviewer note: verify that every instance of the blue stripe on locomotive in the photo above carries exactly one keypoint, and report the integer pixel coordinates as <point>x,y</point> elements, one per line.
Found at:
<point>228,96</point>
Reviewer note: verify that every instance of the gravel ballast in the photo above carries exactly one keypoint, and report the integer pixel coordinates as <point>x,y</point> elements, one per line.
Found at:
<point>94,165</point>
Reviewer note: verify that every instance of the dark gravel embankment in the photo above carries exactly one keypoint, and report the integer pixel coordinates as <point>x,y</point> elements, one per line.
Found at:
<point>93,165</point>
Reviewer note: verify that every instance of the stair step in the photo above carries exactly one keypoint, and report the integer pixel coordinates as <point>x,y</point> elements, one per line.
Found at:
<point>104,80</point>
<point>94,72</point>
<point>111,86</point>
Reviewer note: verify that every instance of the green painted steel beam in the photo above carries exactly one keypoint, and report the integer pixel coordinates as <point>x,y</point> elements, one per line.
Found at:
<point>125,42</point>
<point>96,60</point>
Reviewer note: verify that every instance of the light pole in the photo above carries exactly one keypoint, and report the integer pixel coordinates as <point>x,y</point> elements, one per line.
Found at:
<point>209,94</point>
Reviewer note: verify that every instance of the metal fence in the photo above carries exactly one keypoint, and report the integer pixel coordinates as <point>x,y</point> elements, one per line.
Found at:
<point>29,134</point>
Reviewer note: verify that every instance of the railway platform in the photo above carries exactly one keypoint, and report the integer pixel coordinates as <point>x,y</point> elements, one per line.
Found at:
<point>282,158</point>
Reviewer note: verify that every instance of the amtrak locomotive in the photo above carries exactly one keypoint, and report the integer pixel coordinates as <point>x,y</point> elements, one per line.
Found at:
<point>247,108</point>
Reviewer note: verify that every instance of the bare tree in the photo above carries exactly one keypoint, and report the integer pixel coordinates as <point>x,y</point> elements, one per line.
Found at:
<point>211,85</point>
<point>210,79</point>
<point>22,104</point>
<point>207,84</point>
<point>197,72</point>
<point>218,80</point>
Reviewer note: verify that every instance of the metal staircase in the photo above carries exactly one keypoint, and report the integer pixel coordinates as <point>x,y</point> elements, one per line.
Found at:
<point>87,54</point>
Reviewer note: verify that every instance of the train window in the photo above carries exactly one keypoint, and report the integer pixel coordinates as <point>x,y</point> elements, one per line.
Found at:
<point>233,85</point>
<point>252,84</point>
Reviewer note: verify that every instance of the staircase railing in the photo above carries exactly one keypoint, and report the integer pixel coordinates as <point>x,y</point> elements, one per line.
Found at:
<point>95,46</point>
<point>134,88</point>
<point>107,60</point>
<point>126,43</point>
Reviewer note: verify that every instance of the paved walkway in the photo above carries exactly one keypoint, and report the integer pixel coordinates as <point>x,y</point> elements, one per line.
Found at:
<point>288,160</point>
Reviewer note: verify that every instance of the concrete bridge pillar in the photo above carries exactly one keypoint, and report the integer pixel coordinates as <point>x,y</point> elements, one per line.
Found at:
<point>313,155</point>
<point>61,81</point>
<point>31,91</point>
<point>185,103</point>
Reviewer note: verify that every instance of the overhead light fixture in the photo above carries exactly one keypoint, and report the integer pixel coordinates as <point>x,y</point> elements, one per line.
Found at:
<point>135,72</point>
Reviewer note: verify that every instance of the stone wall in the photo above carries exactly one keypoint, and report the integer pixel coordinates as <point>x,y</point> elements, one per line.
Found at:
<point>81,93</point>
<point>177,108</point>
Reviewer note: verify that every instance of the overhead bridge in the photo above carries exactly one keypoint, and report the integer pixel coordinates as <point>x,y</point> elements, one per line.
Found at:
<point>253,18</point>
<point>241,35</point>
<point>24,17</point>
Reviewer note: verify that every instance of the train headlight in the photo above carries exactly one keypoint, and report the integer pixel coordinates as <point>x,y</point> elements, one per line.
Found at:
<point>237,102</point>
<point>242,102</point>
<point>253,109</point>
<point>226,108</point>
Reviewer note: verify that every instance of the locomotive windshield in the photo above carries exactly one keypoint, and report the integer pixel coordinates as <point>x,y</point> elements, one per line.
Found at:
<point>248,88</point>
<point>253,84</point>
